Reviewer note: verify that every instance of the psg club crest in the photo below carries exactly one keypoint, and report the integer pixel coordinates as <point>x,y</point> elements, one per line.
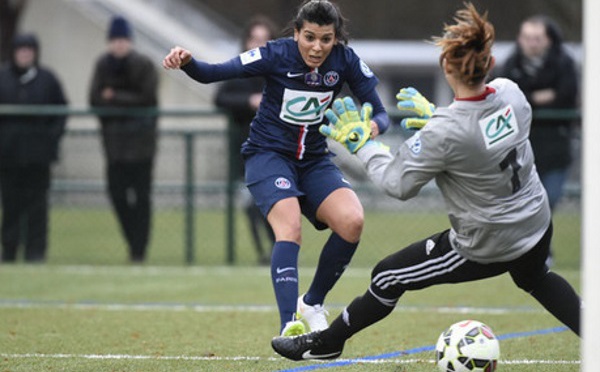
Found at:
<point>283,183</point>
<point>331,78</point>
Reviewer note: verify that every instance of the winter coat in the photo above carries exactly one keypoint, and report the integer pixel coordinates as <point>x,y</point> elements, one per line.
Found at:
<point>135,82</point>
<point>30,139</point>
<point>549,138</point>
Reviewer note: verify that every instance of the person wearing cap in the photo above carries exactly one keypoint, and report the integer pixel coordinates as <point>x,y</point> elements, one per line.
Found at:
<point>124,78</point>
<point>28,147</point>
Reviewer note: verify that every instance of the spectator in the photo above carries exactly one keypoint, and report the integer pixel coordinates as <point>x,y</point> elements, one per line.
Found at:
<point>125,78</point>
<point>242,98</point>
<point>28,147</point>
<point>546,73</point>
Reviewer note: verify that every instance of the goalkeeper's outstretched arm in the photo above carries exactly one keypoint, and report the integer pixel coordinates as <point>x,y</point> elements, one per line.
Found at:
<point>388,171</point>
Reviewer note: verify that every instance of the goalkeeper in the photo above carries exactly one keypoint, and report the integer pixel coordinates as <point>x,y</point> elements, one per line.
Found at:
<point>478,152</point>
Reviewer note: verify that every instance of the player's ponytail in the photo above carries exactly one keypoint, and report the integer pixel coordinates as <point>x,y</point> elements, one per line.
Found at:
<point>322,12</point>
<point>467,45</point>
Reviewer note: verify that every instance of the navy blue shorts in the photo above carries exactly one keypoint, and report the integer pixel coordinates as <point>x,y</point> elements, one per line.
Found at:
<point>271,177</point>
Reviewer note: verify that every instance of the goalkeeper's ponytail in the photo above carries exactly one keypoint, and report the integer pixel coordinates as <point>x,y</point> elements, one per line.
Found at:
<point>467,45</point>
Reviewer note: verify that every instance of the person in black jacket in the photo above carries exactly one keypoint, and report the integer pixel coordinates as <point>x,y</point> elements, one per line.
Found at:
<point>28,147</point>
<point>547,74</point>
<point>241,97</point>
<point>127,79</point>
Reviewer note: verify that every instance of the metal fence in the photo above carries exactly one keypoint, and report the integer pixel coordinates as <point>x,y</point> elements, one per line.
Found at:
<point>198,196</point>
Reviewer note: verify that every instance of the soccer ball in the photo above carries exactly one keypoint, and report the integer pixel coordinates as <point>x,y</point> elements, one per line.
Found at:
<point>468,345</point>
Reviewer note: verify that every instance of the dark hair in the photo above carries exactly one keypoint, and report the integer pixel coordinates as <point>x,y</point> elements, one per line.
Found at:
<point>259,20</point>
<point>467,45</point>
<point>321,12</point>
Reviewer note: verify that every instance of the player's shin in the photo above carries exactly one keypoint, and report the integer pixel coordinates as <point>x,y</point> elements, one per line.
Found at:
<point>284,274</point>
<point>335,257</point>
<point>361,313</point>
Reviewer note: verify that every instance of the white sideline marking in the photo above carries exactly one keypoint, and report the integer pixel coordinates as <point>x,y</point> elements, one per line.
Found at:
<point>138,307</point>
<point>132,357</point>
<point>526,361</point>
<point>165,270</point>
<point>269,359</point>
<point>24,304</point>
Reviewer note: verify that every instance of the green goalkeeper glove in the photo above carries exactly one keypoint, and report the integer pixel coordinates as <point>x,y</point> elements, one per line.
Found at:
<point>350,128</point>
<point>409,99</point>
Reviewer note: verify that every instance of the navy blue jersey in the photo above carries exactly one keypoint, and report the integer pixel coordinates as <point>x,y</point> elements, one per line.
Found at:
<point>295,97</point>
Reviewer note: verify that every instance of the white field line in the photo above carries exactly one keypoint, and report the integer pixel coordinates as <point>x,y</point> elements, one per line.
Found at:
<point>162,270</point>
<point>212,271</point>
<point>243,308</point>
<point>250,358</point>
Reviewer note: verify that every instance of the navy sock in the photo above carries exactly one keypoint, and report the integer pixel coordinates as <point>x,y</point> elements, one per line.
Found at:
<point>284,274</point>
<point>334,259</point>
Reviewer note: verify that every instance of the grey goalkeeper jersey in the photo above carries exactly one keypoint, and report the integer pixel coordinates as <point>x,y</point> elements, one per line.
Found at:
<point>479,153</point>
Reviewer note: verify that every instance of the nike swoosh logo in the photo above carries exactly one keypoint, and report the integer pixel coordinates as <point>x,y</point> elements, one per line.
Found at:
<point>292,75</point>
<point>279,271</point>
<point>309,355</point>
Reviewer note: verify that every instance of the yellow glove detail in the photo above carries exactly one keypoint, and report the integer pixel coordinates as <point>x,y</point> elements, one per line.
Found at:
<point>350,128</point>
<point>409,99</point>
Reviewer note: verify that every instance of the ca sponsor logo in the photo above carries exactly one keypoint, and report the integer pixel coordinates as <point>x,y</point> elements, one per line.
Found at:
<point>283,183</point>
<point>499,126</point>
<point>300,107</point>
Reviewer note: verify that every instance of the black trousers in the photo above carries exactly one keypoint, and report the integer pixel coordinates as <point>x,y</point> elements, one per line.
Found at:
<point>129,188</point>
<point>24,192</point>
<point>433,261</point>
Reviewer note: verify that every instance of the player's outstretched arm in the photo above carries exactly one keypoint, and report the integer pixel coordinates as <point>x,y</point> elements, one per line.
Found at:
<point>410,100</point>
<point>177,58</point>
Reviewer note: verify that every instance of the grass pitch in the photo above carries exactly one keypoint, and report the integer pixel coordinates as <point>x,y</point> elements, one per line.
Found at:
<point>88,310</point>
<point>91,236</point>
<point>151,318</point>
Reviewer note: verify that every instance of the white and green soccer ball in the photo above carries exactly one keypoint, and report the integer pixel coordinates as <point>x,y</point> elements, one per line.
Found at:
<point>468,345</point>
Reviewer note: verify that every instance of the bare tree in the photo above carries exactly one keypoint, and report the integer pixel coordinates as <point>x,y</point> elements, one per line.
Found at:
<point>10,13</point>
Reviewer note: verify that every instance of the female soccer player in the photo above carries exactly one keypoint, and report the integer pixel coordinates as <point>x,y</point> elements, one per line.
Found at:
<point>287,164</point>
<point>478,151</point>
